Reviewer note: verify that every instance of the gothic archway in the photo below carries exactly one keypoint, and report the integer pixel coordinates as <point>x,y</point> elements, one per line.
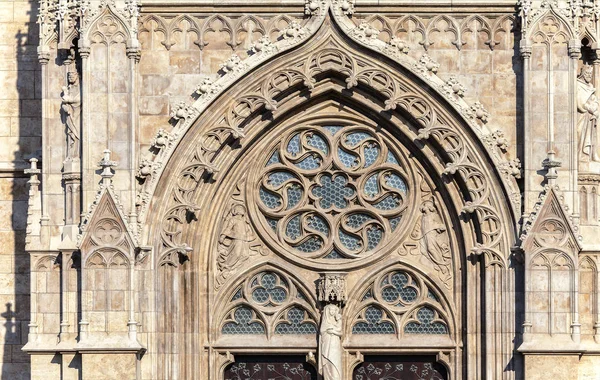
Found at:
<point>433,201</point>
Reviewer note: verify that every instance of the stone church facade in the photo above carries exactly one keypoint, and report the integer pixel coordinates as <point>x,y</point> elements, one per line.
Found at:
<point>290,189</point>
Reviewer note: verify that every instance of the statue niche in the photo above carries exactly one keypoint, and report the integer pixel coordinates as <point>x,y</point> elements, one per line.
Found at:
<point>587,107</point>
<point>71,106</point>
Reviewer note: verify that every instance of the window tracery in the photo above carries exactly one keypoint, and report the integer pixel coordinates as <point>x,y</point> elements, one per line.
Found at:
<point>269,303</point>
<point>332,191</point>
<point>400,302</point>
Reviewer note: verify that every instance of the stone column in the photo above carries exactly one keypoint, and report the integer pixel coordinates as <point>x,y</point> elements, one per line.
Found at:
<point>526,50</point>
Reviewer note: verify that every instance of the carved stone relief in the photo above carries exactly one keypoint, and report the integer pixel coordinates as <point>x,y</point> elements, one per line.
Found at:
<point>237,240</point>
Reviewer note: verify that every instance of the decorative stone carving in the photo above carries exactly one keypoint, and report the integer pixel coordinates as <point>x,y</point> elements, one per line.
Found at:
<point>71,106</point>
<point>426,64</point>
<point>264,45</point>
<point>453,87</point>
<point>145,169</point>
<point>233,63</point>
<point>434,240</point>
<point>268,303</point>
<point>237,243</point>
<point>161,139</point>
<point>332,287</point>
<point>478,112</point>
<point>330,343</point>
<point>589,112</point>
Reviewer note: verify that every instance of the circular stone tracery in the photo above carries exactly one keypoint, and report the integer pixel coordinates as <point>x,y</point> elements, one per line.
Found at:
<point>333,192</point>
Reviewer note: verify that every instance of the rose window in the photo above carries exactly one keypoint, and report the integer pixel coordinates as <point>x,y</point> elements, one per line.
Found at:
<point>333,192</point>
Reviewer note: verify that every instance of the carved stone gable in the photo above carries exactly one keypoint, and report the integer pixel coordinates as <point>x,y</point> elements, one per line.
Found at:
<point>106,226</point>
<point>550,226</point>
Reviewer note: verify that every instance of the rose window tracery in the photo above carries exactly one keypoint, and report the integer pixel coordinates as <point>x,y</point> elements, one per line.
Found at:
<point>332,192</point>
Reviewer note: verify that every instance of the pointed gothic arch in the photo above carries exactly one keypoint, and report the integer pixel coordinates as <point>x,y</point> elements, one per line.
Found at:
<point>199,184</point>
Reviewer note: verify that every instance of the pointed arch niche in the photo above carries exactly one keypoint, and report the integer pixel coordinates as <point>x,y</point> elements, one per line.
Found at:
<point>379,172</point>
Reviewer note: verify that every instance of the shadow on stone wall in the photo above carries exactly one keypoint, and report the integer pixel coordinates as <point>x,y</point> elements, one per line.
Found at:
<point>20,64</point>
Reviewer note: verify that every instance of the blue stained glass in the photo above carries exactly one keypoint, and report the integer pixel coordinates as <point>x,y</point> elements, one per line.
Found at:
<point>391,158</point>
<point>353,139</point>
<point>373,323</point>
<point>309,163</point>
<point>311,245</point>
<point>296,323</point>
<point>334,255</point>
<point>348,160</point>
<point>350,241</point>
<point>388,203</point>
<point>374,236</point>
<point>277,178</point>
<point>395,181</point>
<point>357,220</point>
<point>237,295</point>
<point>394,222</point>
<point>371,186</point>
<point>243,325</point>
<point>332,129</point>
<point>274,159</point>
<point>292,230</point>
<point>371,154</point>
<point>317,141</point>
<point>425,325</point>
<point>269,199</point>
<point>432,296</point>
<point>319,224</point>
<point>333,192</point>
<point>398,289</point>
<point>294,195</point>
<point>294,145</point>
<point>272,223</point>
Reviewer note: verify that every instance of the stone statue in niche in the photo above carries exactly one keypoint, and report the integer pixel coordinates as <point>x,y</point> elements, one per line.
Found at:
<point>330,343</point>
<point>235,242</point>
<point>434,240</point>
<point>588,109</point>
<point>71,106</point>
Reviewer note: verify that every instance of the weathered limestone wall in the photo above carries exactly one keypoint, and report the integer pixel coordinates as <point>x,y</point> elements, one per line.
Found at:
<point>20,131</point>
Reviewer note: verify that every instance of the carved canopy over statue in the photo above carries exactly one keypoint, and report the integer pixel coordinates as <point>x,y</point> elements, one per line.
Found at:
<point>587,106</point>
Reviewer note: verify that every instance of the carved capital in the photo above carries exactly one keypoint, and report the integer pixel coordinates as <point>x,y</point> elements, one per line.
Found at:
<point>525,49</point>
<point>332,287</point>
<point>574,48</point>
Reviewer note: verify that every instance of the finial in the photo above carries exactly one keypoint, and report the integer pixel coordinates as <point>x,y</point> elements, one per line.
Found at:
<point>106,164</point>
<point>551,164</point>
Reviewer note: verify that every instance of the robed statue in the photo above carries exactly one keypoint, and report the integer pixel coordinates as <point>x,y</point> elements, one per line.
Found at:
<point>236,242</point>
<point>71,106</point>
<point>434,239</point>
<point>330,343</point>
<point>587,107</point>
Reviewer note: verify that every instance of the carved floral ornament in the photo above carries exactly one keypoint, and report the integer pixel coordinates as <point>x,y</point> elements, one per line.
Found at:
<point>272,91</point>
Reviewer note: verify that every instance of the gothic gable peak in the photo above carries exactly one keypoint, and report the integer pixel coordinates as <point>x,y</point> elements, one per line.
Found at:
<point>105,223</point>
<point>550,224</point>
